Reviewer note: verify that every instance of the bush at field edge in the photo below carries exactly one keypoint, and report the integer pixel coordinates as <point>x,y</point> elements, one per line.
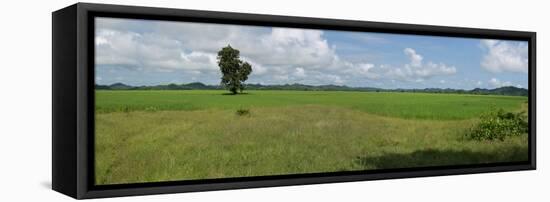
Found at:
<point>498,124</point>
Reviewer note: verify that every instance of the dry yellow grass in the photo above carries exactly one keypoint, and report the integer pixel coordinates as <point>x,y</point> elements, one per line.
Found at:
<point>141,146</point>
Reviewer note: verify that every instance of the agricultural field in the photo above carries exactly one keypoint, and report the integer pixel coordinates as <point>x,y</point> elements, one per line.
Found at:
<point>168,135</point>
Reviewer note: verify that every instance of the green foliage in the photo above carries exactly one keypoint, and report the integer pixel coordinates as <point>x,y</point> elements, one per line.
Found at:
<point>234,71</point>
<point>498,124</point>
<point>243,112</point>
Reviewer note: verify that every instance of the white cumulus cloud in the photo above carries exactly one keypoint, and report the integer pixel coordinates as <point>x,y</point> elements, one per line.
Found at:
<point>300,72</point>
<point>504,56</point>
<point>496,83</point>
<point>479,83</point>
<point>417,70</point>
<point>416,59</point>
<point>277,55</point>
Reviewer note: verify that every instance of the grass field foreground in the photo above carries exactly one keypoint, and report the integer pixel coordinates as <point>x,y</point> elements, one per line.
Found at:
<point>150,136</point>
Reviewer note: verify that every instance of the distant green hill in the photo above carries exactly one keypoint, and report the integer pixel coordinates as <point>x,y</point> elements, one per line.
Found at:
<point>507,90</point>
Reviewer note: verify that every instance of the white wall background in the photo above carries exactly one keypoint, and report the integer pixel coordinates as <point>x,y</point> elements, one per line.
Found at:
<point>25,99</point>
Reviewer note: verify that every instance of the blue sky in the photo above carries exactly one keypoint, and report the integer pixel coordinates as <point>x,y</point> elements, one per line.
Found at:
<point>145,52</point>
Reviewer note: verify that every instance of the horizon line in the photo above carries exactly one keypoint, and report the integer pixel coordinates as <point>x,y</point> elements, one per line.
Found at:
<point>289,84</point>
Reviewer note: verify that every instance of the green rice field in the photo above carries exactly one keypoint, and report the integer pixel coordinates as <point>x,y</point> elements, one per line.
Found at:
<point>151,136</point>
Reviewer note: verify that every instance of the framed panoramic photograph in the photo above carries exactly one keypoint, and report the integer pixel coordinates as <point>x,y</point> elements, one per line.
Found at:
<point>153,100</point>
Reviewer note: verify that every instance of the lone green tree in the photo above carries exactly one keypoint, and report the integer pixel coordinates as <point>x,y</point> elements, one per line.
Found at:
<point>234,70</point>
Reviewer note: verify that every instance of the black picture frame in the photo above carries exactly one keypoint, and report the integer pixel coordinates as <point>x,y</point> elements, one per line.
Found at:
<point>73,100</point>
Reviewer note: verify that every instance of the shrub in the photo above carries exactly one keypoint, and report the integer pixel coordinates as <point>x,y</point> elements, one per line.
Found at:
<point>498,124</point>
<point>151,109</point>
<point>243,112</point>
<point>125,109</point>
